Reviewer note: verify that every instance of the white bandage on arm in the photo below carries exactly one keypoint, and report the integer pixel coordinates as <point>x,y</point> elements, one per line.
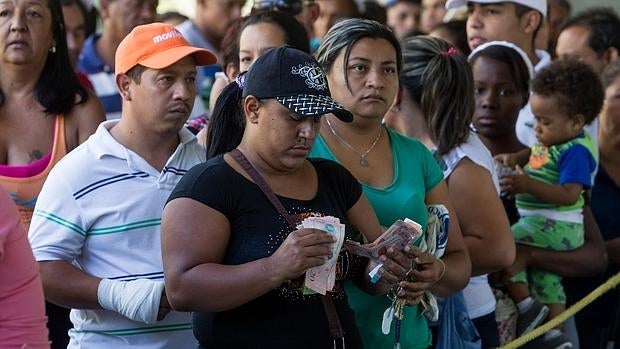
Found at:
<point>138,299</point>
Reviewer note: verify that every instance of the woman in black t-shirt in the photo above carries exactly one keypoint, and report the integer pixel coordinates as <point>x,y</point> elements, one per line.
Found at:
<point>228,253</point>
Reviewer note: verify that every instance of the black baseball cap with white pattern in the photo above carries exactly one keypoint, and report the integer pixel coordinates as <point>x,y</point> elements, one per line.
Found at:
<point>295,79</point>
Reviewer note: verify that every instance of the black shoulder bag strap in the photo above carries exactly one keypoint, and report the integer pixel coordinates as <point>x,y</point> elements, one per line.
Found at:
<point>335,329</point>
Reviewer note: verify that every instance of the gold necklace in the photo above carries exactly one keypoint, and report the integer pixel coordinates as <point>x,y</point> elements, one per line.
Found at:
<point>363,161</point>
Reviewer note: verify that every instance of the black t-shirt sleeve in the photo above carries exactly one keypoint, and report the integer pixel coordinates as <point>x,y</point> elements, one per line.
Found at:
<point>206,183</point>
<point>340,182</point>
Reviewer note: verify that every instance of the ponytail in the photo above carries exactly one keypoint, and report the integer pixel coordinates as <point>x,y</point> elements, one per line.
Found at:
<point>440,80</point>
<point>227,122</point>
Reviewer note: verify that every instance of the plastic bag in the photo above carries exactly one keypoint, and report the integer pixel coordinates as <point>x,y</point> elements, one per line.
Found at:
<point>434,243</point>
<point>456,330</point>
<point>437,229</point>
<point>505,316</point>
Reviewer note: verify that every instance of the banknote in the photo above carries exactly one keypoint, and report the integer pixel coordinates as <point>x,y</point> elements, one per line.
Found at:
<point>398,235</point>
<point>322,279</point>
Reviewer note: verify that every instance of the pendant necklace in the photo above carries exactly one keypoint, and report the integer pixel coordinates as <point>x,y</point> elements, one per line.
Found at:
<point>363,161</point>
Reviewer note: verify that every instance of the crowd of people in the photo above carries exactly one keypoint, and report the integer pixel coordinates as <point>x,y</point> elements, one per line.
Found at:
<point>157,192</point>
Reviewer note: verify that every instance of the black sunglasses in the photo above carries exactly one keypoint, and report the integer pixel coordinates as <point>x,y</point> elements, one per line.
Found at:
<point>292,7</point>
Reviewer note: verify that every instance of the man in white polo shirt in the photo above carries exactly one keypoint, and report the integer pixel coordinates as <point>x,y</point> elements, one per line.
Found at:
<point>96,226</point>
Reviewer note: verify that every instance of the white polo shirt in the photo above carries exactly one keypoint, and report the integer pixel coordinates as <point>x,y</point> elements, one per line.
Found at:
<point>100,209</point>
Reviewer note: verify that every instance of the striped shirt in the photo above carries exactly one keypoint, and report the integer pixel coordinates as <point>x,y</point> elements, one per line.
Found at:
<point>101,76</point>
<point>571,162</point>
<point>100,209</point>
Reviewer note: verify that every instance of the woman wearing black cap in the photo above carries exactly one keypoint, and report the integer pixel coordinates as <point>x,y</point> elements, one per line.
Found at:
<point>231,255</point>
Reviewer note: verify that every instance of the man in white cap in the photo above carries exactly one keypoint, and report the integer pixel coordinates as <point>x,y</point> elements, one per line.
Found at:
<point>516,21</point>
<point>96,226</point>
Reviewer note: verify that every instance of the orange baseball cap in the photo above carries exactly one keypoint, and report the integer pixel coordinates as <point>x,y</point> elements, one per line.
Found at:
<point>156,46</point>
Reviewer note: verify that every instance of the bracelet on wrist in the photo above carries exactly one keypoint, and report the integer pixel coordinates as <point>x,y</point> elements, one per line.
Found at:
<point>443,270</point>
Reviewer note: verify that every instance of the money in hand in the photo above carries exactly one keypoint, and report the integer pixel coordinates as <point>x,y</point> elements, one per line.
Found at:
<point>398,235</point>
<point>322,279</point>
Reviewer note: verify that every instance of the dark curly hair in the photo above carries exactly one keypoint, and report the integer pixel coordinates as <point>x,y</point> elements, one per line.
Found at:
<point>577,87</point>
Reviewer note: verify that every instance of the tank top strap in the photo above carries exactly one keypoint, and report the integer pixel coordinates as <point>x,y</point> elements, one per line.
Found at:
<point>59,146</point>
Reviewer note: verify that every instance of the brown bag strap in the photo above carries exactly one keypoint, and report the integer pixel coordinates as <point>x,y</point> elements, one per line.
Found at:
<point>335,328</point>
<point>262,184</point>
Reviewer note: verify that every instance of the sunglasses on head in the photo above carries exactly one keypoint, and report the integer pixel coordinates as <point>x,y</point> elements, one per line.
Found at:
<point>292,7</point>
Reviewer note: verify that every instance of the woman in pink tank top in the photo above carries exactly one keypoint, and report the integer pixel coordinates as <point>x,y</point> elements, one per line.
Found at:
<point>22,319</point>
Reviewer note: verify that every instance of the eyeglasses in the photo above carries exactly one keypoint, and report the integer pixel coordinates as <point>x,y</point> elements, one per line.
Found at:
<point>292,7</point>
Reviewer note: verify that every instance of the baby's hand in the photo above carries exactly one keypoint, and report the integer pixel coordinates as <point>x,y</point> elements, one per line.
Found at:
<point>506,159</point>
<point>515,182</point>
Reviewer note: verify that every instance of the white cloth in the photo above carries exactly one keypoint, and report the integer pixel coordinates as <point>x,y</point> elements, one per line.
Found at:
<point>538,5</point>
<point>434,242</point>
<point>526,120</point>
<point>478,295</point>
<point>100,209</point>
<point>517,49</point>
<point>137,299</point>
<point>477,152</point>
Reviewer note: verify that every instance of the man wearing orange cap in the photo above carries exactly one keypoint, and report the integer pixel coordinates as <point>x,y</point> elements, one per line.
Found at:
<point>96,226</point>
<point>118,18</point>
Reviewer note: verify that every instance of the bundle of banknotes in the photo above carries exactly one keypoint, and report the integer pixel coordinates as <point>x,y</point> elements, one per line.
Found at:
<point>323,278</point>
<point>398,235</point>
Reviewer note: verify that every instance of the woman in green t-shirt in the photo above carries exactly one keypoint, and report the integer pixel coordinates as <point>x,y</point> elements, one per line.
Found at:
<point>399,176</point>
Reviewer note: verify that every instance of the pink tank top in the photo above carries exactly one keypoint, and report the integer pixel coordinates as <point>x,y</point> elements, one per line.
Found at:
<point>24,182</point>
<point>22,306</point>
